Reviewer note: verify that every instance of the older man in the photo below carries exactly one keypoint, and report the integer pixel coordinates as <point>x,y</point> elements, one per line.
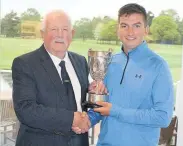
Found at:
<point>49,85</point>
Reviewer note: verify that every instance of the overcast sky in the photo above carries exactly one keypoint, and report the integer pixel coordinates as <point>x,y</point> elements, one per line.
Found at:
<point>88,8</point>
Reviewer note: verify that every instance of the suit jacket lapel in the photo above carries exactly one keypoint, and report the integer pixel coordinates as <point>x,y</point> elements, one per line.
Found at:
<point>51,70</point>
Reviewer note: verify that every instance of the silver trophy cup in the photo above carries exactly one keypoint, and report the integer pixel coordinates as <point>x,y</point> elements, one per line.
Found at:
<point>98,62</point>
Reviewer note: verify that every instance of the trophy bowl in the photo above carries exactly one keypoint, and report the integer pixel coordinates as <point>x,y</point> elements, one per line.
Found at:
<point>98,62</point>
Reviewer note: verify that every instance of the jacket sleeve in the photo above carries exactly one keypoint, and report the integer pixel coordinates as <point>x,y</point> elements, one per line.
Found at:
<point>28,111</point>
<point>160,114</point>
<point>94,117</point>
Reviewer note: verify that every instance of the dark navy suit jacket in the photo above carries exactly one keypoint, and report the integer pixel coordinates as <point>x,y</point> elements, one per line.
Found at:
<point>40,101</point>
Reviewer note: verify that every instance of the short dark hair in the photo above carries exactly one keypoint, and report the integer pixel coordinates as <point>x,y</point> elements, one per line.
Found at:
<point>132,8</point>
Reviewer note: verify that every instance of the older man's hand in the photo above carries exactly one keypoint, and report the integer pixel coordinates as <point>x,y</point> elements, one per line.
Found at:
<point>83,126</point>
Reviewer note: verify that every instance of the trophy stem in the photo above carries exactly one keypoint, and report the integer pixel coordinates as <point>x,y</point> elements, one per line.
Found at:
<point>97,87</point>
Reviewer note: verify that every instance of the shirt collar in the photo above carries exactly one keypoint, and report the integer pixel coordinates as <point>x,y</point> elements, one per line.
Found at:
<point>57,60</point>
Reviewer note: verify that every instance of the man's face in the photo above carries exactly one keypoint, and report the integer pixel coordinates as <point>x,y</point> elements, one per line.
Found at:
<point>58,34</point>
<point>131,30</point>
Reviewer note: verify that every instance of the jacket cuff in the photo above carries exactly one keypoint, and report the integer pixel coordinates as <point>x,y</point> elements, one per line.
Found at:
<point>92,117</point>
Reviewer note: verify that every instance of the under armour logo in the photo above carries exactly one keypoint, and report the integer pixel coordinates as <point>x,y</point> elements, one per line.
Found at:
<point>138,76</point>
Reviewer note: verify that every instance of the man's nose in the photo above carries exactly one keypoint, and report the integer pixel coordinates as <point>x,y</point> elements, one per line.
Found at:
<point>130,31</point>
<point>60,32</point>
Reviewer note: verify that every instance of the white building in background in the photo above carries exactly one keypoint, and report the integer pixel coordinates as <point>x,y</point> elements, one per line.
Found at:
<point>3,84</point>
<point>5,88</point>
<point>179,108</point>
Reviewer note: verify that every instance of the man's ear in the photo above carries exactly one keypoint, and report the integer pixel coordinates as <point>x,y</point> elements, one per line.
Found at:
<point>42,33</point>
<point>147,30</point>
<point>73,32</point>
<point>117,31</point>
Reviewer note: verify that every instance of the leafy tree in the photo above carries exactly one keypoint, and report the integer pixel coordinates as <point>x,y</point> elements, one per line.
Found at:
<point>150,17</point>
<point>10,25</point>
<point>83,28</point>
<point>31,14</point>
<point>164,28</point>
<point>109,31</point>
<point>180,29</point>
<point>172,13</point>
<point>95,21</point>
<point>97,31</point>
<point>106,19</point>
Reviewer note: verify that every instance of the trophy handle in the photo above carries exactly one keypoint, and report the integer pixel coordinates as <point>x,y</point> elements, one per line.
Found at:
<point>109,54</point>
<point>110,50</point>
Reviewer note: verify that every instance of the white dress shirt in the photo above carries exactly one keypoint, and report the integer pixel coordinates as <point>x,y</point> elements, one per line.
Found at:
<point>72,75</point>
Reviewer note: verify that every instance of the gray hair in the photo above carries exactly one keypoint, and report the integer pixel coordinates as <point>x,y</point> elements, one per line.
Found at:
<point>44,20</point>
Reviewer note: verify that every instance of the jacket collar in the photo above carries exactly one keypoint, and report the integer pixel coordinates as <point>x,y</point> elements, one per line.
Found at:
<point>138,52</point>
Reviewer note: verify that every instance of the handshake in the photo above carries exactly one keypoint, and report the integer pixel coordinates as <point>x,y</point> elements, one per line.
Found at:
<point>81,123</point>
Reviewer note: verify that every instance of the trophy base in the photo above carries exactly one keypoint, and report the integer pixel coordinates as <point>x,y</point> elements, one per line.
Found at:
<point>88,104</point>
<point>92,99</point>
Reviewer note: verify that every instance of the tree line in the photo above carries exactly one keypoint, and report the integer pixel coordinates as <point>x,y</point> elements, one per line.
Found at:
<point>165,28</point>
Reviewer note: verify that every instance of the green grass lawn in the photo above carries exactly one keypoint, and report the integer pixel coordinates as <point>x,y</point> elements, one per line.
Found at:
<point>11,47</point>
